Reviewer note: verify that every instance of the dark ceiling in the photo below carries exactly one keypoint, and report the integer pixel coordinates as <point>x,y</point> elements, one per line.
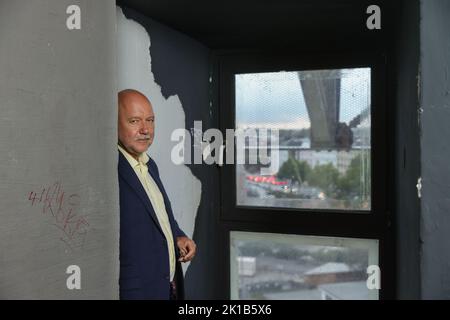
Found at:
<point>230,24</point>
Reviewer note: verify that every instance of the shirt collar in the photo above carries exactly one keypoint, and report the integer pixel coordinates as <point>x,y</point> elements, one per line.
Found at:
<point>143,157</point>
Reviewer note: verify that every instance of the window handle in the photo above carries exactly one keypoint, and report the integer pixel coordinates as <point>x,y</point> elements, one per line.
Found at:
<point>419,188</point>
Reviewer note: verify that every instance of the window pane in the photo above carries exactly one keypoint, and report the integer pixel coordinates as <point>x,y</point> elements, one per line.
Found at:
<point>314,127</point>
<point>292,267</point>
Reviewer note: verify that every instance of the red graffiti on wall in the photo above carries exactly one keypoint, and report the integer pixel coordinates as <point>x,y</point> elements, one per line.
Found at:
<point>62,209</point>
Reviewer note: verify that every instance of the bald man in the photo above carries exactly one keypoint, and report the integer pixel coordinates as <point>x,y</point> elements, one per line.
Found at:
<point>151,243</point>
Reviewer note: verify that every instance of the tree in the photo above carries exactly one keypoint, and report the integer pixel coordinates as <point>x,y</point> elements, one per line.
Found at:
<point>324,177</point>
<point>294,170</point>
<point>355,179</point>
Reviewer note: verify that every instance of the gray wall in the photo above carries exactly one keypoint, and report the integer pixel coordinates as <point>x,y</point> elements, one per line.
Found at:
<point>435,204</point>
<point>407,151</point>
<point>58,165</point>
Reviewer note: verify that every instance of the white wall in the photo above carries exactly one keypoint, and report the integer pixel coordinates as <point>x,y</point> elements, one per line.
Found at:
<point>135,72</point>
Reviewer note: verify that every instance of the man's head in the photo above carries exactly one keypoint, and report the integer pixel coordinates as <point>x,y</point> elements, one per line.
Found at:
<point>136,122</point>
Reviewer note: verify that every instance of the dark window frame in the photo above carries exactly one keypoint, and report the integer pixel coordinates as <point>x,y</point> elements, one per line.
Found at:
<point>373,224</point>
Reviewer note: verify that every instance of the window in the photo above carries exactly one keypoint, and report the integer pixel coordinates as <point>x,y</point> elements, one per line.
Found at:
<point>292,267</point>
<point>304,208</point>
<point>322,141</point>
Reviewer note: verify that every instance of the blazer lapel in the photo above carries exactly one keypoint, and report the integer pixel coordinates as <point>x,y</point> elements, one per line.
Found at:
<point>128,174</point>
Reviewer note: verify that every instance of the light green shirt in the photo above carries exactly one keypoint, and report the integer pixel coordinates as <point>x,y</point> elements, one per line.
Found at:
<point>156,199</point>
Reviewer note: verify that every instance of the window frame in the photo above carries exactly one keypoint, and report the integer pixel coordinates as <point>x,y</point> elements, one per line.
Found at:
<point>375,223</point>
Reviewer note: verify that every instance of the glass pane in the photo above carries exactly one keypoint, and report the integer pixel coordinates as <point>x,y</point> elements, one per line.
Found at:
<point>309,135</point>
<point>291,267</point>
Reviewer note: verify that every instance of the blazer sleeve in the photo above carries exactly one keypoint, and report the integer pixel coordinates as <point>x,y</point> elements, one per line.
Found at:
<point>176,230</point>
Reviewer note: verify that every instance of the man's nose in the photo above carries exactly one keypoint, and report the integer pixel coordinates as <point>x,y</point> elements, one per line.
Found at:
<point>145,128</point>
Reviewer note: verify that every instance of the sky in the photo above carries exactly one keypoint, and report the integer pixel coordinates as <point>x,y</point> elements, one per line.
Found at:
<point>275,100</point>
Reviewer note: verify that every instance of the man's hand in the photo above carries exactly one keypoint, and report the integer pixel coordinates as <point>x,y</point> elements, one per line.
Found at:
<point>187,249</point>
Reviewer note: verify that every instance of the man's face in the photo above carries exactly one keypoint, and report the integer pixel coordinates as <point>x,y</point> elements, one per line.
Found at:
<point>136,125</point>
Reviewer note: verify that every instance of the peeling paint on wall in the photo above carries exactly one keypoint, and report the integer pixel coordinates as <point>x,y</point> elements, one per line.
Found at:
<point>135,71</point>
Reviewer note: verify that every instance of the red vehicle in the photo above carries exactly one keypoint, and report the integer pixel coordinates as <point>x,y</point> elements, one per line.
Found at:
<point>267,179</point>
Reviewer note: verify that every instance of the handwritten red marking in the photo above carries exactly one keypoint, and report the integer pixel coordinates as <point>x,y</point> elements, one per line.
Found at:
<point>62,210</point>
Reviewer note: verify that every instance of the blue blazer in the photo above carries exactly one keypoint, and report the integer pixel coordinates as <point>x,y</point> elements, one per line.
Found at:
<point>144,258</point>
